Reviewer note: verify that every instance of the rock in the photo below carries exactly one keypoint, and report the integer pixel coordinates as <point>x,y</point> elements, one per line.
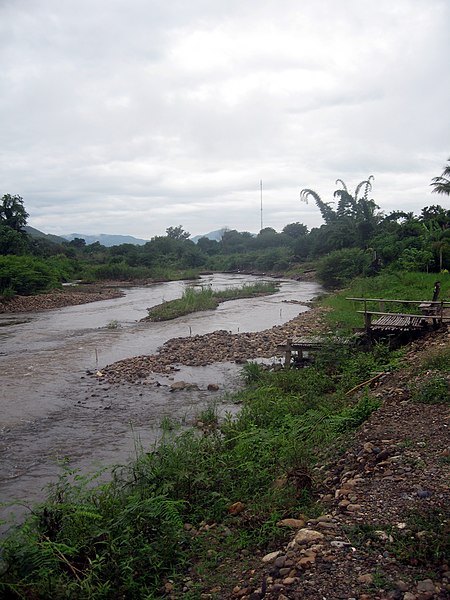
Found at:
<point>178,385</point>
<point>366,578</point>
<point>401,585</point>
<point>306,561</point>
<point>353,507</point>
<point>425,586</point>
<point>212,387</point>
<point>279,562</point>
<point>424,494</point>
<point>340,544</point>
<point>271,556</point>
<point>409,596</point>
<point>293,523</point>
<point>236,508</point>
<point>306,536</point>
<point>289,580</point>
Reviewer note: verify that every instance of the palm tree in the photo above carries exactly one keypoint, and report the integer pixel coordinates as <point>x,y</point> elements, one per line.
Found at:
<point>353,212</point>
<point>441,184</point>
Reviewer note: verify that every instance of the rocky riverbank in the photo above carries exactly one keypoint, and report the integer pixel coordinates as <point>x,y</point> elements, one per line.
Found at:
<point>60,298</point>
<point>219,346</point>
<point>383,522</point>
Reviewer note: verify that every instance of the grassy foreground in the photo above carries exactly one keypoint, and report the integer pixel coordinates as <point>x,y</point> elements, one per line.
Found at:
<point>194,300</point>
<point>197,498</point>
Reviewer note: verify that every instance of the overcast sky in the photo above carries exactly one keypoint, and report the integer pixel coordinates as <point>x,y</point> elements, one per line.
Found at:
<point>130,116</point>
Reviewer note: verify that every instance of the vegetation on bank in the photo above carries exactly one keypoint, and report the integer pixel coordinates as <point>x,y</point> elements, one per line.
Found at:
<point>198,498</point>
<point>355,239</point>
<point>343,316</point>
<point>205,298</point>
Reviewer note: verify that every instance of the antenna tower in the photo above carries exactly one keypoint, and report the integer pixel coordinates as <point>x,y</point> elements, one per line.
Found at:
<point>260,185</point>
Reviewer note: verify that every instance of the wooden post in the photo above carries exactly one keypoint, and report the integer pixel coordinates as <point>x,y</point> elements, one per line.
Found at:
<point>287,356</point>
<point>367,321</point>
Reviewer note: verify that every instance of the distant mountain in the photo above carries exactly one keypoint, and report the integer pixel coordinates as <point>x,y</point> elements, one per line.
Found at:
<point>212,235</point>
<point>40,234</point>
<point>107,240</point>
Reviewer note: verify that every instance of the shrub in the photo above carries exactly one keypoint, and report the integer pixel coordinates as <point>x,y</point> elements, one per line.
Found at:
<point>341,266</point>
<point>27,275</point>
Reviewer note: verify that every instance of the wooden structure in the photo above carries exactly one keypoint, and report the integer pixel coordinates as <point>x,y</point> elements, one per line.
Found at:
<point>424,315</point>
<point>299,348</point>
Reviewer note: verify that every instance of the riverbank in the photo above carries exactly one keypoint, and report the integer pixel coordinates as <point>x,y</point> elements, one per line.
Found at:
<point>218,346</point>
<point>67,296</point>
<point>382,527</point>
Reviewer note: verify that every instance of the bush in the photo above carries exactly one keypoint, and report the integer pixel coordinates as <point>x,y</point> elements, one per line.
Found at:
<point>341,266</point>
<point>27,275</point>
<point>117,272</point>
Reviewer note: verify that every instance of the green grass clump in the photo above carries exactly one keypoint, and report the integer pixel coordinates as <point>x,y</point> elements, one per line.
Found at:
<point>432,390</point>
<point>424,542</point>
<point>194,300</point>
<point>437,360</point>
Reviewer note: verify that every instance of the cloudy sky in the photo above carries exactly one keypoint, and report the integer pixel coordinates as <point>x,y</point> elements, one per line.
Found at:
<point>130,116</point>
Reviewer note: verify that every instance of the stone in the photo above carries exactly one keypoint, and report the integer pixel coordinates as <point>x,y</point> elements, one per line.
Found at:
<point>306,561</point>
<point>178,385</point>
<point>293,523</point>
<point>409,596</point>
<point>425,586</point>
<point>305,536</point>
<point>213,387</point>
<point>271,556</point>
<point>279,561</point>
<point>340,544</point>
<point>353,507</point>
<point>401,585</point>
<point>289,580</point>
<point>366,578</point>
<point>236,508</point>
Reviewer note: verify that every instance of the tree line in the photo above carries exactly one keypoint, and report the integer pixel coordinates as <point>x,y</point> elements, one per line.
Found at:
<point>356,238</point>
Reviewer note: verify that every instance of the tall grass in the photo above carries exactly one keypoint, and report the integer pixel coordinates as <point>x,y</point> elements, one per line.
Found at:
<point>194,300</point>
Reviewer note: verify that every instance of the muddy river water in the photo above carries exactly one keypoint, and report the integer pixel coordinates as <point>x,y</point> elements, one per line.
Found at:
<point>51,410</point>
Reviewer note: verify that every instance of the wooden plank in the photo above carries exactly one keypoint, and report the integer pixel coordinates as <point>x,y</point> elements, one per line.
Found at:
<point>377,312</point>
<point>439,302</point>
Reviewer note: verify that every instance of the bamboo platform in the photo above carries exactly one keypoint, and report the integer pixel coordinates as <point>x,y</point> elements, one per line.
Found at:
<point>432,313</point>
<point>391,322</point>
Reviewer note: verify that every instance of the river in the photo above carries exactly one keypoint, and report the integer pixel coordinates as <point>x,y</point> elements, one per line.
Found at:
<point>52,411</point>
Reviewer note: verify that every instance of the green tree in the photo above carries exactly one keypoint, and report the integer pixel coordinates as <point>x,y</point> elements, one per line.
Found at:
<point>177,233</point>
<point>355,218</point>
<point>13,218</point>
<point>12,241</point>
<point>441,184</point>
<point>12,212</point>
<point>295,230</point>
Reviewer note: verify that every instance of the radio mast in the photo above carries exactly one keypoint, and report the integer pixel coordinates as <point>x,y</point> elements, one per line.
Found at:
<point>260,185</point>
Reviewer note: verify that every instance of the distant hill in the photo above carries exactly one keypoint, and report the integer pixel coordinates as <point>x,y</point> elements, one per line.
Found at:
<point>212,235</point>
<point>107,240</point>
<point>40,234</point>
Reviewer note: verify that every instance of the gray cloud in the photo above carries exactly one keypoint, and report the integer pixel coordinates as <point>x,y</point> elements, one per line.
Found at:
<point>128,117</point>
